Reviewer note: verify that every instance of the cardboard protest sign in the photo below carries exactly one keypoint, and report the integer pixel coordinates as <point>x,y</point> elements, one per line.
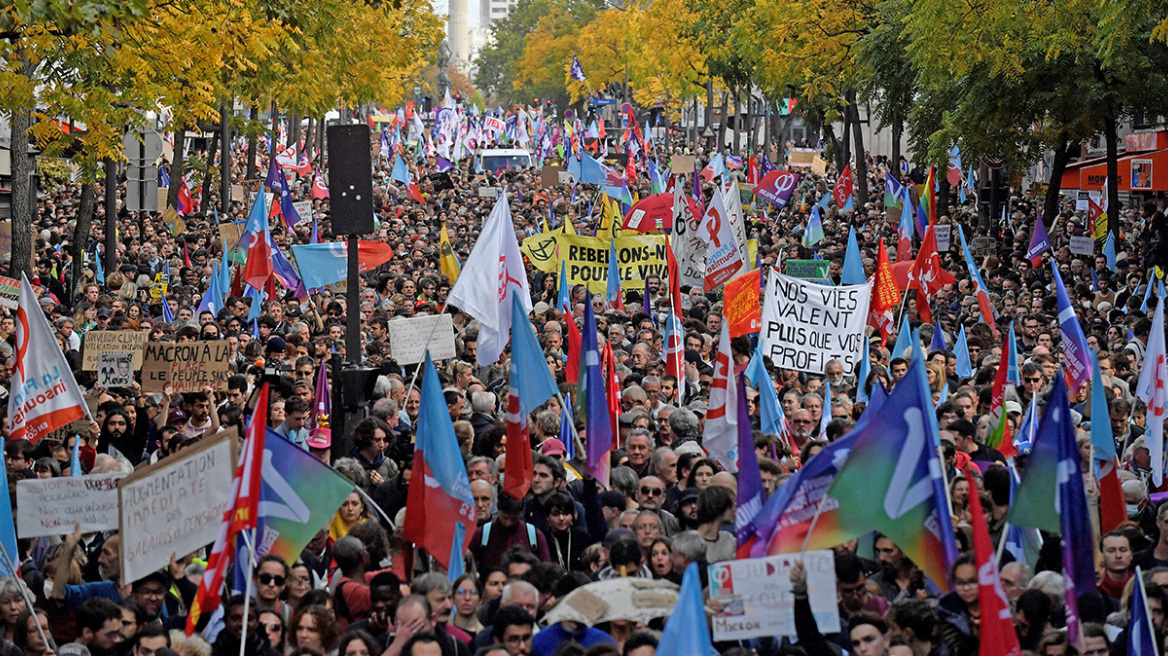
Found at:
<point>944,235</point>
<point>819,166</point>
<point>53,506</point>
<point>408,338</point>
<point>115,370</point>
<point>1082,246</point>
<point>549,176</point>
<point>98,342</point>
<point>804,324</point>
<point>231,232</point>
<point>187,367</point>
<point>756,597</point>
<point>176,505</point>
<point>173,221</point>
<point>9,292</point>
<point>682,164</point>
<point>638,257</point>
<point>802,158</point>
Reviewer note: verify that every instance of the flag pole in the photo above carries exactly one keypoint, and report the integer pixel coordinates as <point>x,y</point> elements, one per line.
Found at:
<point>811,529</point>
<point>27,599</point>
<point>417,368</point>
<point>249,538</point>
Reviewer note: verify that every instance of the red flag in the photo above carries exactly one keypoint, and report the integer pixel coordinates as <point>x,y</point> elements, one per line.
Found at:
<point>741,310</point>
<point>517,468</point>
<point>752,170</point>
<point>572,366</point>
<point>303,166</point>
<point>240,517</point>
<point>927,275</point>
<point>612,390</point>
<point>843,187</point>
<point>1112,511</point>
<point>186,256</point>
<point>997,620</point>
<point>319,189</point>
<point>1002,438</point>
<point>885,295</point>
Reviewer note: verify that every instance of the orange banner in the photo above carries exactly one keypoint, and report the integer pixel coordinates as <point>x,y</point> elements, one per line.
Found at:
<point>741,309</point>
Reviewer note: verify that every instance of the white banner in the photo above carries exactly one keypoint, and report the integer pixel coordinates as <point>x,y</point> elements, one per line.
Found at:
<point>804,325</point>
<point>176,505</point>
<point>43,394</point>
<point>54,506</point>
<point>1082,246</point>
<point>756,598</point>
<point>408,338</point>
<point>944,236</point>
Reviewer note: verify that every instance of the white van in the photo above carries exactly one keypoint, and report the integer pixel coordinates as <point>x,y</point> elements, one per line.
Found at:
<point>499,159</point>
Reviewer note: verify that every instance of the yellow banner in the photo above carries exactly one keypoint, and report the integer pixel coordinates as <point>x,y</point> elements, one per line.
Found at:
<point>638,257</point>
<point>541,250</point>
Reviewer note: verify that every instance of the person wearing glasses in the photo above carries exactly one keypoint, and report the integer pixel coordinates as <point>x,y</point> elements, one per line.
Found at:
<point>271,577</point>
<point>651,496</point>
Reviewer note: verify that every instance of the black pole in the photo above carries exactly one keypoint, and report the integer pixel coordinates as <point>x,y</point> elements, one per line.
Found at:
<point>111,216</point>
<point>337,418</point>
<point>352,309</point>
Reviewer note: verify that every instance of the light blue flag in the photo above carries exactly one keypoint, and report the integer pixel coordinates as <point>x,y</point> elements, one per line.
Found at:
<point>943,396</point>
<point>865,371</point>
<point>825,415</point>
<point>612,292</point>
<point>1147,295</point>
<point>567,422</point>
<point>1101,436</point>
<point>75,461</point>
<point>530,374</point>
<point>1109,252</point>
<point>903,338</point>
<point>850,204</point>
<point>8,531</point>
<point>100,270</point>
<point>564,302</point>
<point>853,272</point>
<point>1013,373</point>
<point>257,302</point>
<point>961,350</point>
<point>1141,634</point>
<point>938,341</point>
<point>322,264</point>
<point>224,272</point>
<point>400,173</point>
<point>814,232</point>
<point>770,411</point>
<point>686,632</point>
<point>822,204</point>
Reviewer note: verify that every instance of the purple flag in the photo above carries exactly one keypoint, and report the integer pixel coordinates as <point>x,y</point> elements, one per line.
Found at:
<point>1078,356</point>
<point>1039,243</point>
<point>322,402</point>
<point>750,492</point>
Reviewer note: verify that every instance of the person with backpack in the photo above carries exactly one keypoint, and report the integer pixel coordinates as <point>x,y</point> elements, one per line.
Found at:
<point>351,598</point>
<point>508,530</point>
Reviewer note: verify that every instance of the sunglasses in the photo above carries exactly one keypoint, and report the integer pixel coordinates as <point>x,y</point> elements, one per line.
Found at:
<point>272,626</point>
<point>651,491</point>
<point>268,579</point>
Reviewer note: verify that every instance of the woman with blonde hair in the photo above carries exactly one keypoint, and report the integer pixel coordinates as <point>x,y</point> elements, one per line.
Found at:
<point>936,374</point>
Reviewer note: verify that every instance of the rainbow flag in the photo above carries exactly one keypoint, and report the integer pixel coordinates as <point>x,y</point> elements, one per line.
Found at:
<point>892,481</point>
<point>299,494</point>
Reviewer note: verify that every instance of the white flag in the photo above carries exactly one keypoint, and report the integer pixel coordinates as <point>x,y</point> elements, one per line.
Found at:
<point>1153,390</point>
<point>724,258</point>
<point>492,272</point>
<point>720,438</point>
<point>44,395</point>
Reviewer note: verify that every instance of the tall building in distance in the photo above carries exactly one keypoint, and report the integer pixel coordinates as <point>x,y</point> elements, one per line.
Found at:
<point>458,35</point>
<point>493,10</point>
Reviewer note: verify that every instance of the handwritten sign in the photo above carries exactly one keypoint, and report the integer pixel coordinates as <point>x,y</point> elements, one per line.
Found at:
<point>231,232</point>
<point>756,597</point>
<point>52,506</point>
<point>944,236</point>
<point>408,337</point>
<point>9,292</point>
<point>115,370</point>
<point>805,325</point>
<point>303,209</point>
<point>99,342</point>
<point>176,505</point>
<point>173,221</point>
<point>1082,245</point>
<point>187,367</point>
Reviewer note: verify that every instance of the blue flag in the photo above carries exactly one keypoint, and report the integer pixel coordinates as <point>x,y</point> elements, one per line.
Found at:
<point>865,371</point>
<point>400,173</point>
<point>686,632</point>
<point>564,302</point>
<point>100,270</point>
<point>1052,501</point>
<point>770,411</point>
<point>598,429</point>
<point>1013,373</point>
<point>75,461</point>
<point>853,272</point>
<point>1141,634</point>
<point>938,341</point>
<point>530,374</point>
<point>613,290</point>
<point>903,338</point>
<point>567,422</point>
<point>8,530</point>
<point>814,231</point>
<point>1076,354</point>
<point>1101,436</point>
<point>961,350</point>
<point>1109,252</point>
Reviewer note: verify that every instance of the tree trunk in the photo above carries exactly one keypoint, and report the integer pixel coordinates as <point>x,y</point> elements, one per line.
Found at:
<point>834,143</point>
<point>844,156</point>
<point>897,131</point>
<point>768,109</point>
<point>250,174</point>
<point>81,233</point>
<point>737,120</point>
<point>208,187</point>
<point>225,159</point>
<point>724,112</point>
<point>22,164</point>
<point>1062,156</point>
<point>176,167</point>
<point>310,139</point>
<point>860,174</point>
<point>751,142</point>
<point>294,131</point>
<point>1112,190</point>
<point>709,113</point>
